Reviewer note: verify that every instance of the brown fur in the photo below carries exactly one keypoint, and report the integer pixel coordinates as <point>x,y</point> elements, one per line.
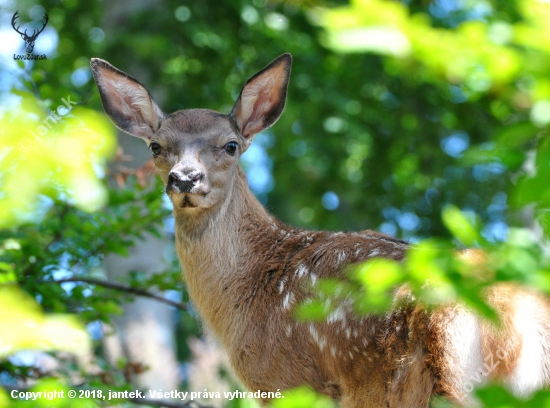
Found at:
<point>245,271</point>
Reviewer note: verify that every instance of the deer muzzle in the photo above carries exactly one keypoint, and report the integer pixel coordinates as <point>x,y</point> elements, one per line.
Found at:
<point>181,182</point>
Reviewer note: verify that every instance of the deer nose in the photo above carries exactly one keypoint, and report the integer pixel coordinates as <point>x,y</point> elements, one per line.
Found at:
<point>184,182</point>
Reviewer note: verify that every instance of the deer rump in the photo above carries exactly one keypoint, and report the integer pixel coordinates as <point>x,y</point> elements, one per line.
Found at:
<point>245,272</point>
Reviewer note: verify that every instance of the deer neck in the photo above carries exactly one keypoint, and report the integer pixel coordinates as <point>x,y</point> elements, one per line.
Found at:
<point>210,247</point>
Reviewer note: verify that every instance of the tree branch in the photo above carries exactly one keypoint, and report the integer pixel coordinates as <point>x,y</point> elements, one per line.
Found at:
<point>122,288</point>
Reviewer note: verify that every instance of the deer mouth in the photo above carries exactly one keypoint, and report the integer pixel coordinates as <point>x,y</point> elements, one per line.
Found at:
<point>187,203</point>
<point>185,200</point>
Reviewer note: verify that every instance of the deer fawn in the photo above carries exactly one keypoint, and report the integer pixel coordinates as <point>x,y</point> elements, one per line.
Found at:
<point>245,271</point>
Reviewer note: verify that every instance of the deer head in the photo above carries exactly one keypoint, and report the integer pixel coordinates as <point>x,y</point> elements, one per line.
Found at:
<point>196,151</point>
<point>29,39</point>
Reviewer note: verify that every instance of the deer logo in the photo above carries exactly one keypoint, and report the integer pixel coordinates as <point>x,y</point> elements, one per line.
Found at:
<point>29,39</point>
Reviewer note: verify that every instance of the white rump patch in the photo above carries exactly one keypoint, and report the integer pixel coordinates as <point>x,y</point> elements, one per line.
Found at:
<point>529,374</point>
<point>463,336</point>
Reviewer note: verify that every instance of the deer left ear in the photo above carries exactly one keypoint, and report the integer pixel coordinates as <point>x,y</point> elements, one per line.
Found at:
<point>127,102</point>
<point>263,98</point>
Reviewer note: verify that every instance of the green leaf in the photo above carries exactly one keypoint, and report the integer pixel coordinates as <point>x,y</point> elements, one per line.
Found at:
<point>460,226</point>
<point>303,397</point>
<point>316,310</point>
<point>379,275</point>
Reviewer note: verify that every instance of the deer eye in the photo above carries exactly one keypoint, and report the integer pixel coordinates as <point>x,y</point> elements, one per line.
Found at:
<point>231,148</point>
<point>155,148</point>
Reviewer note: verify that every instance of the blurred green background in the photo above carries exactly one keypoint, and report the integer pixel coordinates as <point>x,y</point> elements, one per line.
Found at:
<point>397,111</point>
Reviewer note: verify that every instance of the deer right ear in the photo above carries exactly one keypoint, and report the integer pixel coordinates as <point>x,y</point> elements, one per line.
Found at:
<point>127,103</point>
<point>262,98</point>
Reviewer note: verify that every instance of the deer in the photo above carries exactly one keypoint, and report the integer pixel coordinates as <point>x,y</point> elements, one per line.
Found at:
<point>246,271</point>
<point>29,39</point>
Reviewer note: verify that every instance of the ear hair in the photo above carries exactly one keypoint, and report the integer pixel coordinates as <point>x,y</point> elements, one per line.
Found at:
<point>263,97</point>
<point>126,101</point>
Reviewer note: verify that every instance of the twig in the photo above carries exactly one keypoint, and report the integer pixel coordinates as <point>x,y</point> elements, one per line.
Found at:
<point>167,404</point>
<point>122,288</point>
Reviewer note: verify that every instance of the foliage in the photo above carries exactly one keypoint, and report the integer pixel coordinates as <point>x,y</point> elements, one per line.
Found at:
<point>495,52</point>
<point>51,244</point>
<point>483,56</point>
<point>36,164</point>
<point>303,397</point>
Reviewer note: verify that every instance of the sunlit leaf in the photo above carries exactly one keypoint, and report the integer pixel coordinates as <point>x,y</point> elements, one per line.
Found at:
<point>303,397</point>
<point>24,326</point>
<point>51,155</point>
<point>460,226</point>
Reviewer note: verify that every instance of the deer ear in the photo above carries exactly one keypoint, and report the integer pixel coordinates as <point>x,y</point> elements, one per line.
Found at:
<point>127,103</point>
<point>263,97</point>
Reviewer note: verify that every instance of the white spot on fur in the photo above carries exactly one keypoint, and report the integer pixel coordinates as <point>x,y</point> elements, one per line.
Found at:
<point>350,355</point>
<point>311,328</point>
<point>288,300</point>
<point>313,278</point>
<point>374,253</point>
<point>288,330</point>
<point>319,340</point>
<point>333,351</point>
<point>338,314</point>
<point>288,235</point>
<point>341,257</point>
<point>281,286</point>
<point>322,341</point>
<point>348,332</point>
<point>301,271</point>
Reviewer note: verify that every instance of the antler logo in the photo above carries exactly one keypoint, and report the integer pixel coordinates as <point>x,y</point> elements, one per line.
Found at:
<point>29,39</point>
